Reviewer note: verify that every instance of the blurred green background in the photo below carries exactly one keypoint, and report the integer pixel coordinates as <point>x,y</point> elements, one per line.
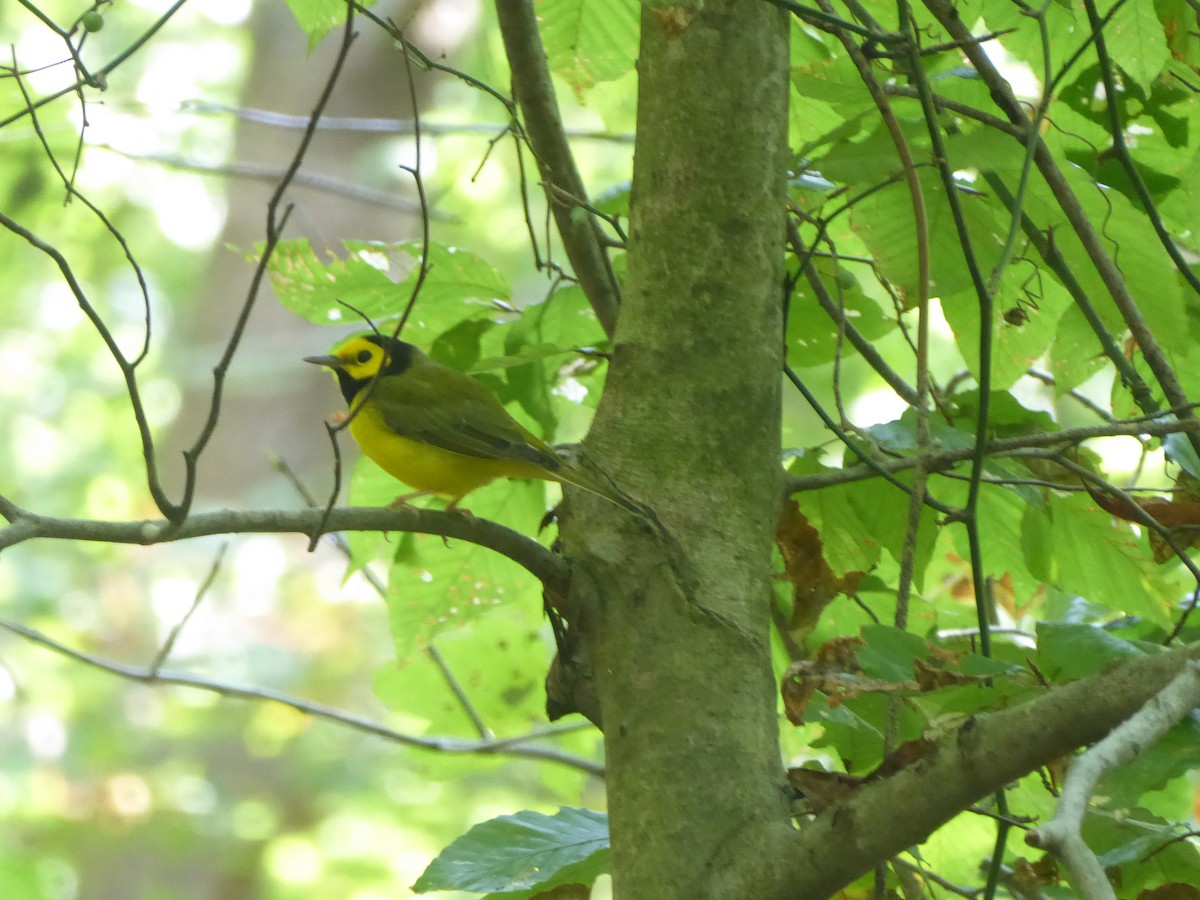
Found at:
<point>114,789</point>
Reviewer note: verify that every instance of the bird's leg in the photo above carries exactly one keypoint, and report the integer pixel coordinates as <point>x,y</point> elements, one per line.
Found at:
<point>403,499</point>
<point>453,506</point>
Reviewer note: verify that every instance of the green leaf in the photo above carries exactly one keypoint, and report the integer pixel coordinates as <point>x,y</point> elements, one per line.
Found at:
<point>884,220</point>
<point>1074,356</point>
<point>459,347</point>
<point>318,17</point>
<point>499,660</point>
<point>565,319</point>
<point>1068,652</point>
<point>1145,847</point>
<point>436,586</point>
<point>849,543</point>
<point>813,335</point>
<point>311,286</point>
<point>900,435</point>
<point>1176,753</point>
<point>861,162</point>
<point>455,276</point>
<point>527,851</point>
<point>457,284</point>
<point>833,80</point>
<point>889,653</point>
<point>589,40</point>
<point>1181,452</point>
<point>1025,315</point>
<point>853,729</point>
<point>1004,521</point>
<point>1136,41</point>
<point>1007,416</point>
<point>1104,562</point>
<point>885,507</point>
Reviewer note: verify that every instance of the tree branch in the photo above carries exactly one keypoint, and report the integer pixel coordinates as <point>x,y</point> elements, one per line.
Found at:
<point>1114,280</point>
<point>532,556</point>
<point>375,125</point>
<point>1061,835</point>
<point>513,746</point>
<point>534,91</point>
<point>1159,427</point>
<point>985,753</point>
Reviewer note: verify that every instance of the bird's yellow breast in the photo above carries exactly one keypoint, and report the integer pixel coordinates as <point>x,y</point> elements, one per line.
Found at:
<point>425,467</point>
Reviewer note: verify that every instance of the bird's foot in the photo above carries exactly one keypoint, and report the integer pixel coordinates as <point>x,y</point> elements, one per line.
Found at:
<point>403,499</point>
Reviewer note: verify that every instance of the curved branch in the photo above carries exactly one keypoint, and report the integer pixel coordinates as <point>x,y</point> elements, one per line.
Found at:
<point>513,746</point>
<point>534,92</point>
<point>984,754</point>
<point>544,565</point>
<point>1062,834</point>
<point>1069,436</point>
<point>127,367</point>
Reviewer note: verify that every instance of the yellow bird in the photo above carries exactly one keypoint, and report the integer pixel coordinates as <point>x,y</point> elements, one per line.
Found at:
<point>439,430</point>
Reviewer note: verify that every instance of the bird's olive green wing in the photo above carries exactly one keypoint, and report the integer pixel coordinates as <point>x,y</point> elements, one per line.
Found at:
<point>441,406</point>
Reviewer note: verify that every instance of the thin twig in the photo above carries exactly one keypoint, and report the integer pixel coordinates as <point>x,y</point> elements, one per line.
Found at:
<point>275,222</point>
<point>169,644</point>
<point>1157,427</point>
<point>514,746</point>
<point>101,75</point>
<point>274,119</point>
<point>272,174</point>
<point>369,575</point>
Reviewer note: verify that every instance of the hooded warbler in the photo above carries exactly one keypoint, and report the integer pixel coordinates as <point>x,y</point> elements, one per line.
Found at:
<point>438,429</point>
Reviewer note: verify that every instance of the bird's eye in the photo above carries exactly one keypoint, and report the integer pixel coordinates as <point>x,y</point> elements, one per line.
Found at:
<point>364,356</point>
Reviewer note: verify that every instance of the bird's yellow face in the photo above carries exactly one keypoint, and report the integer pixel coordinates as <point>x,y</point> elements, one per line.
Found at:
<point>359,357</point>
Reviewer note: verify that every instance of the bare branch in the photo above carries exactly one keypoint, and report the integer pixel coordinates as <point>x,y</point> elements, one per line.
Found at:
<point>1062,834</point>
<point>987,752</point>
<point>1106,268</point>
<point>536,559</point>
<point>518,746</point>
<point>535,92</point>
<point>275,223</point>
<point>272,174</point>
<point>1159,427</point>
<point>274,119</point>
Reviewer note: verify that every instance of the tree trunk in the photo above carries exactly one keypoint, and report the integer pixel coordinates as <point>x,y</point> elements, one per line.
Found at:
<point>690,421</point>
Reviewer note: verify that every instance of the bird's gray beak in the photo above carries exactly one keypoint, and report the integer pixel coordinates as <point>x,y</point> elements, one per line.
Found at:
<point>330,362</point>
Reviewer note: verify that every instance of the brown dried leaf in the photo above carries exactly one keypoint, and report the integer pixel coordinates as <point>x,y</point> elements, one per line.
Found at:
<point>931,676</point>
<point>1031,877</point>
<point>814,584</point>
<point>1181,516</point>
<point>835,659</point>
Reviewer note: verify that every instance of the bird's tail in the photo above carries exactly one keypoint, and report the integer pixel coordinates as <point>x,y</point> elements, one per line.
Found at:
<point>601,486</point>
